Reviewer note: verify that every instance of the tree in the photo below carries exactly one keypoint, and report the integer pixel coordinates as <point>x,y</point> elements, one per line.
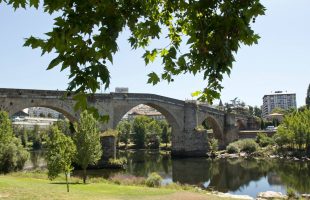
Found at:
<point>60,154</point>
<point>251,110</point>
<point>165,136</point>
<point>308,98</point>
<point>37,137</point>
<point>257,111</point>
<point>49,115</point>
<point>12,154</point>
<point>87,139</point>
<point>65,127</point>
<point>6,131</point>
<point>295,131</point>
<point>24,137</point>
<point>124,129</point>
<point>84,38</point>
<point>139,130</point>
<point>165,131</point>
<point>153,134</point>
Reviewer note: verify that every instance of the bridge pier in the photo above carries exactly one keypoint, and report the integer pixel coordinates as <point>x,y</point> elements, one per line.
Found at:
<point>192,142</point>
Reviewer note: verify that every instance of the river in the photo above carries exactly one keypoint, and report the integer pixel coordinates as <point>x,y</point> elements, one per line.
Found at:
<point>235,176</point>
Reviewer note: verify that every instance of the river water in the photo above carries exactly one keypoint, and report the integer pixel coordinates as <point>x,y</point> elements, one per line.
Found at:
<point>235,176</point>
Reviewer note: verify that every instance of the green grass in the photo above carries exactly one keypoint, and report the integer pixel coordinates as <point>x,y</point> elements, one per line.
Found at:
<point>36,186</point>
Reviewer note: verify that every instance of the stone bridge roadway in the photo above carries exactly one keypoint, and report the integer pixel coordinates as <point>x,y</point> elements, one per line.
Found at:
<point>183,116</point>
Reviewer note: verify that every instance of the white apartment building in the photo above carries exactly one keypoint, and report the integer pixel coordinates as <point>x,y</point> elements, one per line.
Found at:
<point>278,99</point>
<point>42,111</point>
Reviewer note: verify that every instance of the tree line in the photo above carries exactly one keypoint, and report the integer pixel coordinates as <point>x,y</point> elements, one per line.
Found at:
<point>294,131</point>
<point>144,132</point>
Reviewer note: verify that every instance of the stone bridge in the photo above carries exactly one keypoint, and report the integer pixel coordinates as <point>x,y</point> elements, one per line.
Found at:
<point>183,116</point>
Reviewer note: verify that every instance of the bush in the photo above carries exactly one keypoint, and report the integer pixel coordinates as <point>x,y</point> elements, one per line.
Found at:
<point>232,148</point>
<point>127,179</point>
<point>246,145</point>
<point>117,163</point>
<point>263,140</point>
<point>291,194</point>
<point>13,156</point>
<point>213,144</point>
<point>153,180</point>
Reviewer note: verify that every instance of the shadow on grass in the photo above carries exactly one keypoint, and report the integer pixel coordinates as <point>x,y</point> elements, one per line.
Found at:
<point>64,183</point>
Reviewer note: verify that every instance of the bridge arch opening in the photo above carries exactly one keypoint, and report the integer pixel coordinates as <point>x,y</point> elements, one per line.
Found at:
<point>33,125</point>
<point>45,111</point>
<point>161,125</point>
<point>44,117</point>
<point>213,128</point>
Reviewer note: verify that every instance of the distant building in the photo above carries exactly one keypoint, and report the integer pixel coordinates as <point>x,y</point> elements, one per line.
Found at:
<point>121,90</point>
<point>30,122</point>
<point>278,99</point>
<point>144,110</point>
<point>43,112</point>
<point>20,114</point>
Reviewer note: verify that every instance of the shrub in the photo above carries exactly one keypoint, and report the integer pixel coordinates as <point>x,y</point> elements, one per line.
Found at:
<point>12,156</point>
<point>117,163</point>
<point>153,180</point>
<point>248,145</point>
<point>127,179</point>
<point>213,144</point>
<point>291,194</point>
<point>263,140</point>
<point>232,148</point>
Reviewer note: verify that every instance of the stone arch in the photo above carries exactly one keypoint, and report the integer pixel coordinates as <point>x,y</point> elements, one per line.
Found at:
<point>215,125</point>
<point>170,117</point>
<point>67,113</point>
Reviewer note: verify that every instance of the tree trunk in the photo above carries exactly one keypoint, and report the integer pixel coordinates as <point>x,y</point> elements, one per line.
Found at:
<point>84,176</point>
<point>67,182</point>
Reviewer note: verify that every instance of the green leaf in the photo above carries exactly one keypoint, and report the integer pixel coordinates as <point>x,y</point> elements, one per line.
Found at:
<point>81,101</point>
<point>34,3</point>
<point>54,63</point>
<point>153,78</point>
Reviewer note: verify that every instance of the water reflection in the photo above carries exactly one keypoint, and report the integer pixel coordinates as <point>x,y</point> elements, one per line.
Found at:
<point>237,176</point>
<point>36,160</point>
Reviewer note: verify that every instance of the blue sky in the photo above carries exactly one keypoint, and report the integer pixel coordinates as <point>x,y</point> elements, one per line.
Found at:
<point>281,60</point>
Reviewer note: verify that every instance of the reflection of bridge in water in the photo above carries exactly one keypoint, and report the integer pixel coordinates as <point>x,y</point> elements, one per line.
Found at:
<point>183,116</point>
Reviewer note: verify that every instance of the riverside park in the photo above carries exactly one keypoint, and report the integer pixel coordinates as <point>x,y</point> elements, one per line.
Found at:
<point>176,100</point>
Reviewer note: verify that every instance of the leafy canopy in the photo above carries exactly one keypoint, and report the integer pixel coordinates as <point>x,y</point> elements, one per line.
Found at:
<point>84,37</point>
<point>87,140</point>
<point>60,153</point>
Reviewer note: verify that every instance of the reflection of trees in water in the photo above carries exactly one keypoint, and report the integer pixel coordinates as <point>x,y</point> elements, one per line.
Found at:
<point>191,170</point>
<point>223,174</point>
<point>142,163</point>
<point>37,159</point>
<point>238,173</point>
<point>294,174</point>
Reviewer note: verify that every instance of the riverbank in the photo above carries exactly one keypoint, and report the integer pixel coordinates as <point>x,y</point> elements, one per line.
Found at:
<point>31,185</point>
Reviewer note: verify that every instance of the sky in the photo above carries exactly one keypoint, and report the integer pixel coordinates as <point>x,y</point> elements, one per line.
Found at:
<point>280,60</point>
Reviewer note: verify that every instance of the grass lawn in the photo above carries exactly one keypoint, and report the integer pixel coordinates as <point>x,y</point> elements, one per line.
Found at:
<point>37,186</point>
